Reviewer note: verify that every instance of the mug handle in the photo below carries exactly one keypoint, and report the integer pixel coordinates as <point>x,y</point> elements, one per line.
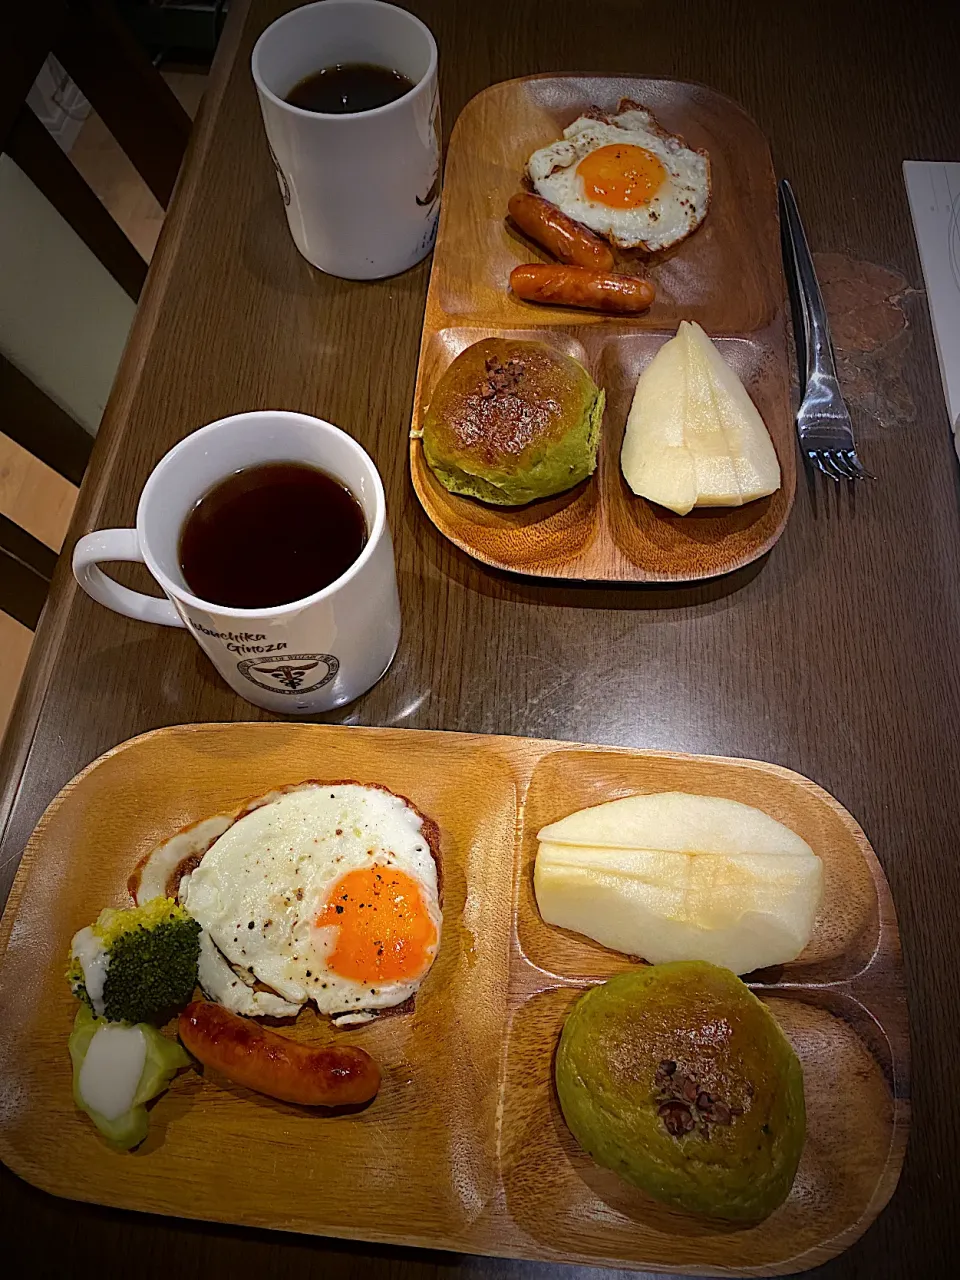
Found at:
<point>118,544</point>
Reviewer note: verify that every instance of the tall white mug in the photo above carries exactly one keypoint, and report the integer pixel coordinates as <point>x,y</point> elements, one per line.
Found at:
<point>300,658</point>
<point>361,190</point>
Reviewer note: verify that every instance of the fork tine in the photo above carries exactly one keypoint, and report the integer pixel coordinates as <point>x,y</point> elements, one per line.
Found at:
<point>859,470</point>
<point>842,463</point>
<point>822,458</point>
<point>848,463</point>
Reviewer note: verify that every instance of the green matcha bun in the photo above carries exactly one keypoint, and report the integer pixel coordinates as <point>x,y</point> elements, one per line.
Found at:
<point>512,422</point>
<point>680,1080</point>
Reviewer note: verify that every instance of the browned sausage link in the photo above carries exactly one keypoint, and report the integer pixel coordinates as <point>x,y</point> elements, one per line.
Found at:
<point>566,239</point>
<point>577,287</point>
<point>259,1059</point>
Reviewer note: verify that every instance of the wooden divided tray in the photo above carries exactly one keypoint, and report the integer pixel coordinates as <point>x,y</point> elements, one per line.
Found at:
<point>727,277</point>
<point>464,1147</point>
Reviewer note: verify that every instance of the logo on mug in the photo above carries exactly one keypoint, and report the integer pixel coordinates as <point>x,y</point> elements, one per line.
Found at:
<point>433,191</point>
<point>284,185</point>
<point>290,672</point>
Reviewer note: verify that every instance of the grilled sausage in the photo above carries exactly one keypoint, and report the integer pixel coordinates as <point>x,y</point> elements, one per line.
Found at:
<point>561,236</point>
<point>578,287</point>
<point>260,1059</point>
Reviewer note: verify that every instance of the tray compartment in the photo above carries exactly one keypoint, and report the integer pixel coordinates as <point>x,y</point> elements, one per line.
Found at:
<point>847,930</point>
<point>595,1216</point>
<point>726,275</point>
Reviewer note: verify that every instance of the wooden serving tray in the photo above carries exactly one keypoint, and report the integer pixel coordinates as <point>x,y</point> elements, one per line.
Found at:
<point>464,1147</point>
<point>727,277</point>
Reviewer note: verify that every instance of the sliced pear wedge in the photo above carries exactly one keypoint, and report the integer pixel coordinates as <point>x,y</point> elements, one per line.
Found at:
<point>750,448</point>
<point>681,877</point>
<point>694,438</point>
<point>656,459</point>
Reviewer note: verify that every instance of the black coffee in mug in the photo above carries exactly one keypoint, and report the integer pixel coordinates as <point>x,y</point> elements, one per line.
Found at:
<point>269,535</point>
<point>349,87</point>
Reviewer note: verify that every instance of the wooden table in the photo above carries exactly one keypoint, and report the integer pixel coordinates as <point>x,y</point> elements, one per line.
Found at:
<point>838,657</point>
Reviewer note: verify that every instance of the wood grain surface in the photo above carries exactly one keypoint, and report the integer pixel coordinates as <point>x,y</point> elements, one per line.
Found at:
<point>835,657</point>
<point>726,276</point>
<point>466,1119</point>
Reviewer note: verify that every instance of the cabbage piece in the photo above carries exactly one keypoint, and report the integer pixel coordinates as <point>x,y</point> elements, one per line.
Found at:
<point>164,1058</point>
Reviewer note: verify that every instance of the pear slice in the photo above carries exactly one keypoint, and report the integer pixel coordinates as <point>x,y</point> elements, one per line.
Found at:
<point>709,443</point>
<point>677,822</point>
<point>656,460</point>
<point>694,437</point>
<point>681,877</point>
<point>748,441</point>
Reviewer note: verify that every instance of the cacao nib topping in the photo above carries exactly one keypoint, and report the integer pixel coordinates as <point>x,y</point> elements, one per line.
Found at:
<point>684,1106</point>
<point>677,1118</point>
<point>502,376</point>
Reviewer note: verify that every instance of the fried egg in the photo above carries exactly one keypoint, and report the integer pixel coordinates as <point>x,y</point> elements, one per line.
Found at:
<point>158,875</point>
<point>625,178</point>
<point>326,893</point>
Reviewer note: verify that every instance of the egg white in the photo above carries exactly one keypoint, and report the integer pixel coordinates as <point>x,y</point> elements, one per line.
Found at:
<point>261,885</point>
<point>674,212</point>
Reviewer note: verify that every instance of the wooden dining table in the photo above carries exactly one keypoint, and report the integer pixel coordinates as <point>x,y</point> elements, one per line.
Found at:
<point>837,655</point>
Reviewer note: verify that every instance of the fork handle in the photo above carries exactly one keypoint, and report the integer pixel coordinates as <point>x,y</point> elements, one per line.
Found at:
<point>820,359</point>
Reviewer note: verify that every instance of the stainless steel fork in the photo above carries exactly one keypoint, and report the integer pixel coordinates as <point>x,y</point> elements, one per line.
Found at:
<point>823,423</point>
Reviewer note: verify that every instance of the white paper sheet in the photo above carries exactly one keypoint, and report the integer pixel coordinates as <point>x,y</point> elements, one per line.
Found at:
<point>933,190</point>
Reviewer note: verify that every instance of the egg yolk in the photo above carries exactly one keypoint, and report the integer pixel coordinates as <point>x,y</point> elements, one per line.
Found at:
<point>621,176</point>
<point>385,932</point>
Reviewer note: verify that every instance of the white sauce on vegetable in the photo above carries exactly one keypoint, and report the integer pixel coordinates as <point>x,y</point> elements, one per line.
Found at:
<point>94,960</point>
<point>112,1069</point>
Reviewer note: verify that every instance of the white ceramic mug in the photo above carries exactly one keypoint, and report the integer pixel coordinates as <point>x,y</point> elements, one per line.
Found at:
<point>299,658</point>
<point>361,190</point>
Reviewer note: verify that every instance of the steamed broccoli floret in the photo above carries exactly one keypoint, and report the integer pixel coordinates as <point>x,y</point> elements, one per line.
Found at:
<point>150,953</point>
<point>77,984</point>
